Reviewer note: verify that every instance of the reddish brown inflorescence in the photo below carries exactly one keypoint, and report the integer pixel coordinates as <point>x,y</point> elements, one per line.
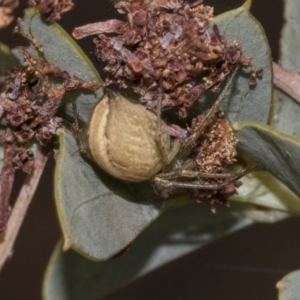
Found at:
<point>52,9</point>
<point>165,49</point>
<point>29,102</point>
<point>214,152</point>
<point>7,8</point>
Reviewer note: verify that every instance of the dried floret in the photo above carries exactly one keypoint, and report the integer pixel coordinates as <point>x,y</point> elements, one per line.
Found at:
<point>214,152</point>
<point>165,49</point>
<point>52,9</point>
<point>29,102</point>
<point>6,11</point>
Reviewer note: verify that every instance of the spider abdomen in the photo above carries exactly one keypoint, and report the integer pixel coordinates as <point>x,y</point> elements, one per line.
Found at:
<point>121,138</point>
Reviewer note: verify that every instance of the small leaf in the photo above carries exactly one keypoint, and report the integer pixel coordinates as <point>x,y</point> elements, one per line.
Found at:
<point>245,102</point>
<point>177,232</point>
<point>289,286</point>
<point>263,189</point>
<point>99,215</point>
<point>7,59</point>
<point>62,51</point>
<point>286,110</point>
<point>276,152</point>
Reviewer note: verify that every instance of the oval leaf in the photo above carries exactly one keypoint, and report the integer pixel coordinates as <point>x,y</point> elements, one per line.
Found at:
<point>99,215</point>
<point>244,102</point>
<point>276,152</point>
<point>7,59</point>
<point>287,111</point>
<point>263,189</point>
<point>289,286</point>
<point>177,232</point>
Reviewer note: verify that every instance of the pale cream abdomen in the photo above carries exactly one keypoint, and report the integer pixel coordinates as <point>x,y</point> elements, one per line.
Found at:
<point>121,137</point>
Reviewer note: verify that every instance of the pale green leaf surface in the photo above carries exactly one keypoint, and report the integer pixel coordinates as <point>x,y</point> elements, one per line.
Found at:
<point>244,102</point>
<point>177,232</point>
<point>276,152</point>
<point>289,286</point>
<point>99,215</point>
<point>62,51</point>
<point>263,189</point>
<point>287,111</point>
<point>7,60</point>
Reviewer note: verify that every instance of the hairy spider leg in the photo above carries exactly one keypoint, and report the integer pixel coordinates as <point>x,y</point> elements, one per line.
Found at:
<point>77,133</point>
<point>166,183</point>
<point>186,147</point>
<point>184,173</point>
<point>168,155</point>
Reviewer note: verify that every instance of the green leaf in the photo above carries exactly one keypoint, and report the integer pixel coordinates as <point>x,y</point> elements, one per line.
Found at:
<point>62,51</point>
<point>276,152</point>
<point>7,59</point>
<point>289,286</point>
<point>286,112</point>
<point>99,215</point>
<point>244,102</point>
<point>177,232</point>
<point>263,189</point>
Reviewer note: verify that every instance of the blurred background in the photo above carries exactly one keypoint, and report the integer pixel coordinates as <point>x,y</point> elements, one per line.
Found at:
<point>245,265</point>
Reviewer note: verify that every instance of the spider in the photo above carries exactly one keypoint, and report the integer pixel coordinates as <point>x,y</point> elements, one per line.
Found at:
<point>134,144</point>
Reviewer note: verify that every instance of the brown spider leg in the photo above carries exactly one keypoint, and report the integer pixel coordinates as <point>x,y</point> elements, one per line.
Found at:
<point>197,174</point>
<point>37,46</point>
<point>77,133</point>
<point>167,156</point>
<point>192,138</point>
<point>159,128</point>
<point>197,184</point>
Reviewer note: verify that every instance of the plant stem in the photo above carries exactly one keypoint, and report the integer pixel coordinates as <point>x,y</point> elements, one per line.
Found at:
<point>287,80</point>
<point>8,237</point>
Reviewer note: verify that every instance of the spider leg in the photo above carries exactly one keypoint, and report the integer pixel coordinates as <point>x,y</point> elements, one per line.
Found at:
<point>168,182</point>
<point>167,154</point>
<point>198,174</point>
<point>192,138</point>
<point>77,132</point>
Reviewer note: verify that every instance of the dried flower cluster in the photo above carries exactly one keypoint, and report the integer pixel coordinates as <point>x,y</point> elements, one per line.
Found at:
<point>165,48</point>
<point>214,152</point>
<point>6,11</point>
<point>29,100</point>
<point>52,9</point>
<point>29,103</point>
<point>217,144</point>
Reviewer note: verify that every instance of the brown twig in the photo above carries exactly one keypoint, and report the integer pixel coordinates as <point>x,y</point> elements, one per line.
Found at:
<point>26,194</point>
<point>7,177</point>
<point>287,80</point>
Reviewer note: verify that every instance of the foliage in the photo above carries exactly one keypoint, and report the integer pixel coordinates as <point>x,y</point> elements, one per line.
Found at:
<point>101,216</point>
